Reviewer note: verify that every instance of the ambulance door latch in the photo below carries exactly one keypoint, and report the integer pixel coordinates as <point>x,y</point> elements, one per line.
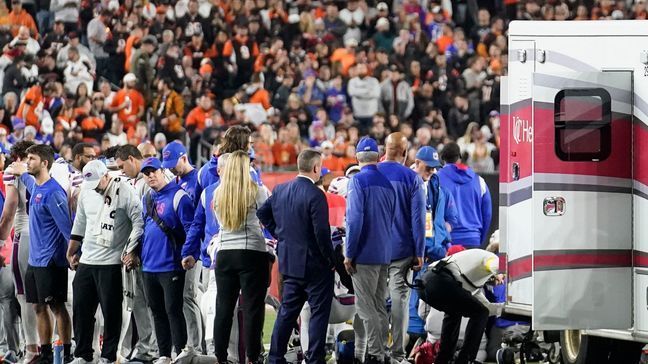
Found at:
<point>553,206</point>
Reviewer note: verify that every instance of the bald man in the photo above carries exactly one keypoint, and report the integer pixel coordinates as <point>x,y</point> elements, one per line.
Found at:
<point>147,150</point>
<point>408,236</point>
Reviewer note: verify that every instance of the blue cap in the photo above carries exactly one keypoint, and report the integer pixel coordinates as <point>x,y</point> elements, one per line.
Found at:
<point>151,162</point>
<point>251,154</point>
<point>17,123</point>
<point>5,150</point>
<point>172,153</point>
<point>429,156</point>
<point>325,171</point>
<point>367,144</point>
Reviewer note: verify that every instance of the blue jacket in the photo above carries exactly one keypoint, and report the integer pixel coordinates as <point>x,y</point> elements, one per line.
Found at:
<point>189,183</point>
<point>408,238</point>
<point>204,225</point>
<point>441,202</point>
<point>370,210</point>
<point>50,223</point>
<point>208,174</point>
<point>473,201</point>
<point>175,209</point>
<point>297,216</point>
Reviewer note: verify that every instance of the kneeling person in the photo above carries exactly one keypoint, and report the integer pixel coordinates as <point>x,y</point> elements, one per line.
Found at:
<point>108,219</point>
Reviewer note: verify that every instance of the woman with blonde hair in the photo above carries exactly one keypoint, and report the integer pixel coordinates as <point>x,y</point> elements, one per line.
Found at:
<point>242,260</point>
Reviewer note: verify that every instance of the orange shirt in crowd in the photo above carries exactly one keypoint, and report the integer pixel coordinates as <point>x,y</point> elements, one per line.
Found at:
<point>34,101</point>
<point>128,51</point>
<point>285,154</point>
<point>198,117</point>
<point>345,58</point>
<point>136,102</point>
<point>444,42</point>
<point>337,209</point>
<point>263,153</point>
<point>92,123</point>
<point>22,19</point>
<point>332,163</point>
<point>262,97</point>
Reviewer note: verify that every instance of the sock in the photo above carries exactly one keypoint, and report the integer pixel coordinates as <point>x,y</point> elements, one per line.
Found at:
<point>46,350</point>
<point>66,349</point>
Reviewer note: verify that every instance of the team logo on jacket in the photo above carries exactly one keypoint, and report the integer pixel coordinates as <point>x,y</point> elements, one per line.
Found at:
<point>160,208</point>
<point>38,198</point>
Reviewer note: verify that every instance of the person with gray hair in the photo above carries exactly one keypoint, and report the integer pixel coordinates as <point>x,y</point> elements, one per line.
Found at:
<point>297,215</point>
<point>370,211</point>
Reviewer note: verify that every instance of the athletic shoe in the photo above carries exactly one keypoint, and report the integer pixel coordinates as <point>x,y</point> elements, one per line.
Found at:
<point>185,355</point>
<point>9,357</point>
<point>163,360</point>
<point>29,357</point>
<point>104,361</point>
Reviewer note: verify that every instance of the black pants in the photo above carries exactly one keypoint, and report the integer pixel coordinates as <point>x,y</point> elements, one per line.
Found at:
<point>96,285</point>
<point>164,293</point>
<point>248,272</point>
<point>446,294</point>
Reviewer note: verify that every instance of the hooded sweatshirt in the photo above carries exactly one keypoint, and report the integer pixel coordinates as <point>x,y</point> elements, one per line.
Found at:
<point>159,252</point>
<point>473,202</point>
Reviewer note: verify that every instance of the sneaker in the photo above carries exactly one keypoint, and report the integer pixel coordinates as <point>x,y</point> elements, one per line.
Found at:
<point>30,357</point>
<point>185,355</point>
<point>105,361</point>
<point>163,360</point>
<point>9,357</point>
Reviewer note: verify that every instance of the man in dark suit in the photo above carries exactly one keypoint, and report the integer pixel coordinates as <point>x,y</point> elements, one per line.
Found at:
<point>297,215</point>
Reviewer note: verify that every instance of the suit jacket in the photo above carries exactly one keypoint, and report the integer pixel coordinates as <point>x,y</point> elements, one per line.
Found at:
<point>297,215</point>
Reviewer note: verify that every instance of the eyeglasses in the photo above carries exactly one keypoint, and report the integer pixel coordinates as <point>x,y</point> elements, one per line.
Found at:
<point>148,172</point>
<point>90,156</point>
<point>429,169</point>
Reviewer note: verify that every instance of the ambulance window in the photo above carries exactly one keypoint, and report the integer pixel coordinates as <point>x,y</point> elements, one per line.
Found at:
<point>582,122</point>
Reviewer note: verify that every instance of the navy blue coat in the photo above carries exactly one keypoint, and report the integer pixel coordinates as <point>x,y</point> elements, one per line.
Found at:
<point>297,216</point>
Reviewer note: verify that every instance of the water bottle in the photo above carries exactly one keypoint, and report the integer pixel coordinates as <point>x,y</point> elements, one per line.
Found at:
<point>58,352</point>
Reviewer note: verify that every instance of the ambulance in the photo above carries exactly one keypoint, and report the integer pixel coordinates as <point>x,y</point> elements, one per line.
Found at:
<point>573,198</point>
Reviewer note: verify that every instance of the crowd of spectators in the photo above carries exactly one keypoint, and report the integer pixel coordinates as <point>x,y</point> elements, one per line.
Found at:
<point>300,73</point>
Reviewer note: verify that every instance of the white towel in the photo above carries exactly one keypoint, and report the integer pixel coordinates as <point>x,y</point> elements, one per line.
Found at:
<point>104,230</point>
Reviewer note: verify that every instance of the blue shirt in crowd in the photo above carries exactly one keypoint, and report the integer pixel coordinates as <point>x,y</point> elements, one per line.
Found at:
<point>371,203</point>
<point>50,223</point>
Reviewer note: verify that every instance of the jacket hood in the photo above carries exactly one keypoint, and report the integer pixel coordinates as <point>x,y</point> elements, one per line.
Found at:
<point>459,173</point>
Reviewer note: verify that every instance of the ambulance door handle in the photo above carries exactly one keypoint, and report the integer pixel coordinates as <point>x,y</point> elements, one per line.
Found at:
<point>515,171</point>
<point>553,206</point>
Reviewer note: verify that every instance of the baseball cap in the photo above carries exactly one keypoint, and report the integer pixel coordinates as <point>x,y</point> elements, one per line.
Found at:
<point>325,171</point>
<point>152,163</point>
<point>493,113</point>
<point>92,174</point>
<point>382,6</point>
<point>172,153</point>
<point>429,156</point>
<point>17,123</point>
<point>327,144</point>
<point>130,77</point>
<point>367,144</point>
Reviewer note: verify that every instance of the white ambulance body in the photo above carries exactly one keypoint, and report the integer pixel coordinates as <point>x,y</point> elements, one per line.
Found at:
<point>574,182</point>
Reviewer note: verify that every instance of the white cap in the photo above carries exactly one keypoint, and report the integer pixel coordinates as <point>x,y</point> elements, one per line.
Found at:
<point>130,77</point>
<point>327,144</point>
<point>92,174</point>
<point>382,22</point>
<point>293,18</point>
<point>382,5</point>
<point>30,130</point>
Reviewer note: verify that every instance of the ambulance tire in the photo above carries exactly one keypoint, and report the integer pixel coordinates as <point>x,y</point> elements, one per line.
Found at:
<point>577,348</point>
